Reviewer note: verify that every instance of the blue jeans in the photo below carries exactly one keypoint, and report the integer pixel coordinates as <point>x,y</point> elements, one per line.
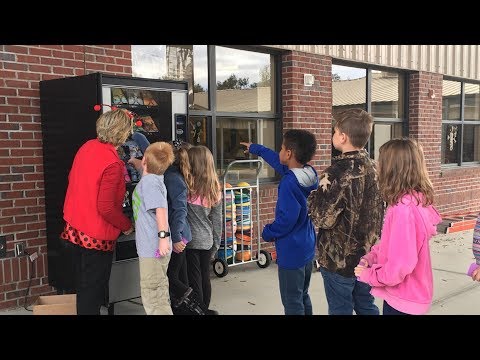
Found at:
<point>345,294</point>
<point>294,284</point>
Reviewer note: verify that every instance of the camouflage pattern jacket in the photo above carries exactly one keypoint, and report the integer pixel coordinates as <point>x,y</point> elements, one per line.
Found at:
<point>348,211</point>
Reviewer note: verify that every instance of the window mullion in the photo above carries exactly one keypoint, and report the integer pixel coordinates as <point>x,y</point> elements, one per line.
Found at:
<point>462,120</point>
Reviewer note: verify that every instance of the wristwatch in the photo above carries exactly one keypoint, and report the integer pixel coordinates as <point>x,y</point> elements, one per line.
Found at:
<point>163,234</point>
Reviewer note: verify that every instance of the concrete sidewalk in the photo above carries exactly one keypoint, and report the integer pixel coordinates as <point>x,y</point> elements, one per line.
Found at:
<point>249,290</point>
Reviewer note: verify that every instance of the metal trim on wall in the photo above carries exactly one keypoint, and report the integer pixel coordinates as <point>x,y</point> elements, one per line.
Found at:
<point>461,61</point>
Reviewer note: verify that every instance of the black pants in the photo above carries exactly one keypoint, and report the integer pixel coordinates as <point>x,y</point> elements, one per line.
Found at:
<point>177,274</point>
<point>198,269</point>
<point>389,310</point>
<point>91,275</point>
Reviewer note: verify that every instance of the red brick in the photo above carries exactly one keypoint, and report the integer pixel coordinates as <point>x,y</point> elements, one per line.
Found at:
<point>15,270</point>
<point>26,235</point>
<point>16,49</point>
<point>13,211</point>
<point>63,70</point>
<point>19,84</point>
<point>51,61</point>
<point>15,66</point>
<point>25,202</point>
<point>7,270</point>
<point>73,63</point>
<point>63,54</point>
<point>40,52</point>
<point>94,66</point>
<point>8,304</point>
<point>114,68</point>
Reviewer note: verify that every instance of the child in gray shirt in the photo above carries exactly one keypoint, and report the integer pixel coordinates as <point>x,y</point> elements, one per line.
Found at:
<point>150,212</point>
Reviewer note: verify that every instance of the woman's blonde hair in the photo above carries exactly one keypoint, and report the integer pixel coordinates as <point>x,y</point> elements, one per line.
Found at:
<point>402,170</point>
<point>181,160</point>
<point>158,157</point>
<point>205,181</point>
<point>114,127</point>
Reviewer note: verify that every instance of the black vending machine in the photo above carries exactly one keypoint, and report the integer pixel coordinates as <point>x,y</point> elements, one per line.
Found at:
<point>68,121</point>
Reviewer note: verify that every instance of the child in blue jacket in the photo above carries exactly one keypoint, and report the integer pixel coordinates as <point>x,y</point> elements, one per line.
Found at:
<point>292,230</point>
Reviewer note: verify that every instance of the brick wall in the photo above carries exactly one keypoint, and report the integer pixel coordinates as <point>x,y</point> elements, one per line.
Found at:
<point>22,212</point>
<point>457,190</point>
<point>309,107</point>
<point>425,117</point>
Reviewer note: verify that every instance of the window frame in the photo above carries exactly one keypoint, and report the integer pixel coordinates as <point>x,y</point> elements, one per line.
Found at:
<point>213,115</point>
<point>368,97</point>
<point>462,122</point>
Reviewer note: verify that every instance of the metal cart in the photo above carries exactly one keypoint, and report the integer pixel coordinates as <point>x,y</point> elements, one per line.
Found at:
<point>241,226</point>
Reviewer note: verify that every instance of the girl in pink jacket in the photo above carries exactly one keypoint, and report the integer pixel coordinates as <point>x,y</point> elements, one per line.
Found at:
<point>399,267</point>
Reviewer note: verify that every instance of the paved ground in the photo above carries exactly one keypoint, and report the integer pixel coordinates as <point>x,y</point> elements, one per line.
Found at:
<point>249,290</point>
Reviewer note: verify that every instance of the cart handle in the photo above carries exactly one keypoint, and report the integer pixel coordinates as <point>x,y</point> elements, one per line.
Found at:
<point>259,168</point>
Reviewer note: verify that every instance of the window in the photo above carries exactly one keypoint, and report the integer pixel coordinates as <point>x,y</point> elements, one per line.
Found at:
<point>198,134</point>
<point>232,96</point>
<point>244,81</point>
<point>460,122</point>
<point>231,132</point>
<point>381,93</point>
<point>175,62</point>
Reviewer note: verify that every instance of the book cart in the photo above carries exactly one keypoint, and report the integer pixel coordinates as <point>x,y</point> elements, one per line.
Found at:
<point>241,236</point>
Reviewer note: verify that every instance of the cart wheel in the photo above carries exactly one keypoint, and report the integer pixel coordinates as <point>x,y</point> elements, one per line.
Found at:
<point>220,267</point>
<point>264,259</point>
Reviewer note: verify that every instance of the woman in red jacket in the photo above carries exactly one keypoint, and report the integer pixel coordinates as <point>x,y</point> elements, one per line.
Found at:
<point>93,209</point>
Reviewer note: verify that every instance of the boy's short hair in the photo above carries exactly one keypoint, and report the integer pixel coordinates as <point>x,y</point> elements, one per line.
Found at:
<point>158,157</point>
<point>302,143</point>
<point>356,123</point>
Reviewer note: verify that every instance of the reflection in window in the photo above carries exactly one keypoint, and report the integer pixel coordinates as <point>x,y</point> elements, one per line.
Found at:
<point>387,95</point>
<point>149,61</point>
<point>387,101</point>
<point>175,62</point>
<point>471,143</point>
<point>197,130</point>
<point>450,137</point>
<point>349,88</point>
<point>244,81</point>
<point>231,132</point>
<point>200,76</point>
<point>472,102</point>
<point>382,133</point>
<point>451,100</point>
<point>460,122</point>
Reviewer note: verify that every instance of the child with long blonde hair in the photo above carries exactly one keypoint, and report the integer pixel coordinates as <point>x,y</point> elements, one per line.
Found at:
<point>178,181</point>
<point>399,267</point>
<point>205,219</point>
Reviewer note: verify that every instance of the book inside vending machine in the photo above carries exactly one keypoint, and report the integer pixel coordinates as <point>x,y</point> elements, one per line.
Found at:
<point>68,116</point>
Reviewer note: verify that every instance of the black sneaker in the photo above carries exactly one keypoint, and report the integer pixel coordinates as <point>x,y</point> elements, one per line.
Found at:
<point>212,312</point>
<point>177,302</point>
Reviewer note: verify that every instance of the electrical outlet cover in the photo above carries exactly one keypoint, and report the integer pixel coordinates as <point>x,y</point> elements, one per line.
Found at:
<point>33,257</point>
<point>19,248</point>
<point>3,246</point>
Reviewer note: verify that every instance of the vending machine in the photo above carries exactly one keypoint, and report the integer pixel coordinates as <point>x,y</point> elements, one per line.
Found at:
<point>68,117</point>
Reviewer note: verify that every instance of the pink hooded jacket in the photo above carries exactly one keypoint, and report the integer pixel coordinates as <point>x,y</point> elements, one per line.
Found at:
<point>400,268</point>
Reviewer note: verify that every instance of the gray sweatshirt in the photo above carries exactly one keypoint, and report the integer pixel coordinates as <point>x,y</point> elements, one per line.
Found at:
<point>205,224</point>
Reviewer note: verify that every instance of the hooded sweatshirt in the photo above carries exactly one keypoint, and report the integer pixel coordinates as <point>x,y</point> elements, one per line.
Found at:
<point>292,230</point>
<point>400,268</point>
